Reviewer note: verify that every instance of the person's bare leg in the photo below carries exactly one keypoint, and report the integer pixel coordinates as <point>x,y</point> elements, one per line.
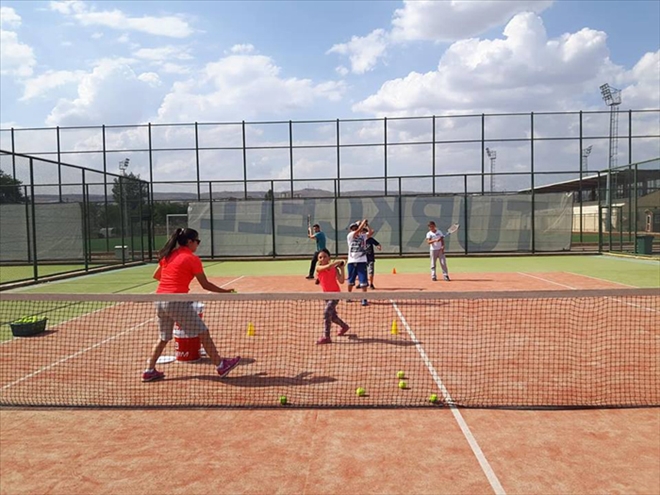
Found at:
<point>155,354</point>
<point>209,347</point>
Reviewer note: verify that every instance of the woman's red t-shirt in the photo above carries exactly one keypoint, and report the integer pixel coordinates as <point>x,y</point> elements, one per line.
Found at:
<point>328,280</point>
<point>178,270</point>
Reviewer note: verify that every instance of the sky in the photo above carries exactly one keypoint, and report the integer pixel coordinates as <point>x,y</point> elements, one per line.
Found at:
<point>87,63</point>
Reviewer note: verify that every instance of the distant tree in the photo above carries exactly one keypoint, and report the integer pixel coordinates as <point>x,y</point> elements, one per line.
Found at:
<point>161,209</point>
<point>10,189</point>
<point>269,195</point>
<point>130,190</point>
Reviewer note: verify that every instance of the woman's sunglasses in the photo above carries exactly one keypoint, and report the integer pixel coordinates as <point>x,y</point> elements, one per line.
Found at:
<point>196,240</point>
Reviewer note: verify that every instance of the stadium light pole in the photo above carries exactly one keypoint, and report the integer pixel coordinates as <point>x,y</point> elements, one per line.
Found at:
<point>123,165</point>
<point>492,155</point>
<point>585,154</point>
<point>612,98</point>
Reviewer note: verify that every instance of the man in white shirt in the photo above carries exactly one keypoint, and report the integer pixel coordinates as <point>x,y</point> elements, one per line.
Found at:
<point>436,240</point>
<point>357,256</point>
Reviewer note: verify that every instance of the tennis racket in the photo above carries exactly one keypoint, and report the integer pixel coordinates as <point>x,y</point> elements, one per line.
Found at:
<point>309,224</point>
<point>452,229</point>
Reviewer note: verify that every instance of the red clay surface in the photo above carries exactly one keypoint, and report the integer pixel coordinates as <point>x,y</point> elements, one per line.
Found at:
<point>413,451</point>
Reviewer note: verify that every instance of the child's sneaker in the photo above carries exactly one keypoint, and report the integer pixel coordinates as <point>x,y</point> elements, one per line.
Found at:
<point>434,278</point>
<point>447,278</point>
<point>365,302</point>
<point>226,365</point>
<point>324,340</point>
<point>372,287</point>
<point>343,331</point>
<point>150,376</point>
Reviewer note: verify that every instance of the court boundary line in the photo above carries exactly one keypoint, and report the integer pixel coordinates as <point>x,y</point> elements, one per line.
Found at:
<point>14,339</point>
<point>546,280</point>
<point>604,280</point>
<point>644,308</point>
<point>465,429</point>
<point>75,354</point>
<point>82,351</point>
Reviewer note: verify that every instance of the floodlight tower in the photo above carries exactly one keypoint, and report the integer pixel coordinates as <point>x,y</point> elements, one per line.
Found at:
<point>612,98</point>
<point>123,165</point>
<point>492,154</point>
<point>585,154</point>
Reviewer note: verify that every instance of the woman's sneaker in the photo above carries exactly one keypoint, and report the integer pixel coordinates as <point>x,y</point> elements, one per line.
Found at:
<point>324,340</point>
<point>226,365</point>
<point>343,331</point>
<point>150,376</point>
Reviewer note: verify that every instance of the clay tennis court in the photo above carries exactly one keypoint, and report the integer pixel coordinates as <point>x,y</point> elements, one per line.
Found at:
<point>289,450</point>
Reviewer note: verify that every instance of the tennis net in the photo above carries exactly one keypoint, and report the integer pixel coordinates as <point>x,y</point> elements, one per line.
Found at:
<point>526,350</point>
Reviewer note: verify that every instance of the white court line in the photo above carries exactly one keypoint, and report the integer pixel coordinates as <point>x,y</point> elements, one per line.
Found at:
<point>612,298</point>
<point>606,281</point>
<point>478,453</point>
<point>67,321</point>
<point>546,280</point>
<point>65,359</point>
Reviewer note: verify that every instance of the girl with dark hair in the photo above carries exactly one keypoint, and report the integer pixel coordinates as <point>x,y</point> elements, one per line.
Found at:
<point>330,275</point>
<point>177,266</point>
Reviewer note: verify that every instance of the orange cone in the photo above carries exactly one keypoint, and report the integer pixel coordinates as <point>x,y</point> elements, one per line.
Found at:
<point>393,271</point>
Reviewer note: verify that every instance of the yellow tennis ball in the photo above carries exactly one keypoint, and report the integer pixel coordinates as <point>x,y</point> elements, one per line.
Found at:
<point>402,384</point>
<point>283,400</point>
<point>433,398</point>
<point>360,392</point>
<point>400,374</point>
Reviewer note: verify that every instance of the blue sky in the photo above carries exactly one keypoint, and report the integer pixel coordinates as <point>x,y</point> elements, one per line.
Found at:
<point>76,63</point>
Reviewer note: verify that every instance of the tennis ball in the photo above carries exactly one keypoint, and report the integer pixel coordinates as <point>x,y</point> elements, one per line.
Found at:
<point>400,374</point>
<point>402,384</point>
<point>433,398</point>
<point>360,392</point>
<point>283,400</point>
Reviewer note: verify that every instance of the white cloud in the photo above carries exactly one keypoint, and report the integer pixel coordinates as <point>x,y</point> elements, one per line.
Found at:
<point>42,84</point>
<point>97,36</point>
<point>170,26</point>
<point>458,19</point>
<point>111,93</point>
<point>150,78</point>
<point>641,85</point>
<point>9,18</point>
<point>242,49</point>
<point>432,21</point>
<point>363,52</point>
<point>341,70</point>
<point>523,71</point>
<point>242,86</point>
<point>163,53</point>
<point>16,58</point>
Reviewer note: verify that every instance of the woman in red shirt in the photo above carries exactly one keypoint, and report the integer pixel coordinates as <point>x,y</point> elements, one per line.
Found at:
<point>330,275</point>
<point>177,266</point>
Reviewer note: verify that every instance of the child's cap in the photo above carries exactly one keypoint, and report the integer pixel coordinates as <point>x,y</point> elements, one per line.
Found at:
<point>353,226</point>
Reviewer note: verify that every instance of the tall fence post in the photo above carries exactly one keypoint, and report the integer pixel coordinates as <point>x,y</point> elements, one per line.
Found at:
<point>466,227</point>
<point>272,216</point>
<point>483,151</point>
<point>580,185</point>
<point>211,219</point>
<point>35,261</point>
<point>59,164</point>
<point>152,225</point>
<point>433,156</point>
<point>290,158</point>
<point>531,160</point>
<point>338,183</point>
<point>245,177</point>
<point>199,185</point>
<point>385,151</point>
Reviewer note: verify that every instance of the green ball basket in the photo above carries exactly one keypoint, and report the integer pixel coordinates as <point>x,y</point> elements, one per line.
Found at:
<point>28,329</point>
